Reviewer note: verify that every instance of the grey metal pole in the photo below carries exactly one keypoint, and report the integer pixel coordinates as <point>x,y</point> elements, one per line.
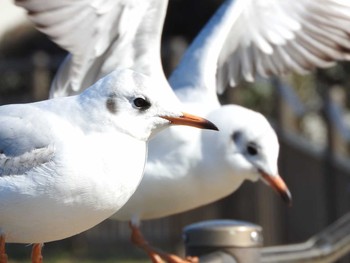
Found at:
<point>224,239</point>
<point>329,245</point>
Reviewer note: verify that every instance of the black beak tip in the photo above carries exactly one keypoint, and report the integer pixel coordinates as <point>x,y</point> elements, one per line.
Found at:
<point>287,197</point>
<point>212,126</point>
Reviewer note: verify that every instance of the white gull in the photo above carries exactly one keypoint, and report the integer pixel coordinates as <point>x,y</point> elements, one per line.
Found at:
<point>69,163</point>
<point>243,38</point>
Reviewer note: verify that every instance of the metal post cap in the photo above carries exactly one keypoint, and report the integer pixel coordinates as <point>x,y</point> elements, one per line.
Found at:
<point>223,233</point>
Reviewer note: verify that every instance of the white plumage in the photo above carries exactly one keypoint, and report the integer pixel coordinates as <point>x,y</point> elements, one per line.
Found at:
<point>243,39</point>
<point>69,163</point>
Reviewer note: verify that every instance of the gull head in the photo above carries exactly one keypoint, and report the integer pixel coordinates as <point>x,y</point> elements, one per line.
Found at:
<point>136,105</point>
<point>247,146</point>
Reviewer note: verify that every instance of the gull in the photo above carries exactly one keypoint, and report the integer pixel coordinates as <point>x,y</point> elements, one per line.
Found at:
<point>69,163</point>
<point>243,39</point>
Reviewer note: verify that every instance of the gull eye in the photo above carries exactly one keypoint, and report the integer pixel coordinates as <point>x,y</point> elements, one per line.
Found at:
<point>252,150</point>
<point>141,103</point>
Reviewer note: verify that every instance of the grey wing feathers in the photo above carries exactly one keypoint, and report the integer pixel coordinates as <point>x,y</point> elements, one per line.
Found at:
<point>101,35</point>
<point>24,143</point>
<point>277,37</point>
<point>17,165</point>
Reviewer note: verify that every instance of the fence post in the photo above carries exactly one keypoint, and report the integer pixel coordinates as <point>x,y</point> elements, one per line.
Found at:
<point>41,76</point>
<point>220,240</point>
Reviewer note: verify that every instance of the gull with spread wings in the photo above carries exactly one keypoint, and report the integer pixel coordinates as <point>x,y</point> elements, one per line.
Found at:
<point>244,38</point>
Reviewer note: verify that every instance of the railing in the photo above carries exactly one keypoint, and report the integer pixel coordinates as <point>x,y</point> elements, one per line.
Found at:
<point>236,241</point>
<point>329,245</point>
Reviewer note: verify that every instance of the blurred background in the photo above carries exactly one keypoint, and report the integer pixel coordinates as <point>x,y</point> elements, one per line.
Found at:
<point>309,113</point>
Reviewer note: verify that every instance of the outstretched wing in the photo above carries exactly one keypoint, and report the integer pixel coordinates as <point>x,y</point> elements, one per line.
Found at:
<point>246,38</point>
<point>100,35</point>
<point>277,37</point>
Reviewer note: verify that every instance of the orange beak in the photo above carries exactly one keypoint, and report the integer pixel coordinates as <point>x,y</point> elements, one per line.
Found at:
<point>277,183</point>
<point>191,120</point>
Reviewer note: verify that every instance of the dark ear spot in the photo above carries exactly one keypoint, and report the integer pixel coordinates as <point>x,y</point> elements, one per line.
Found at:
<point>236,136</point>
<point>111,104</point>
